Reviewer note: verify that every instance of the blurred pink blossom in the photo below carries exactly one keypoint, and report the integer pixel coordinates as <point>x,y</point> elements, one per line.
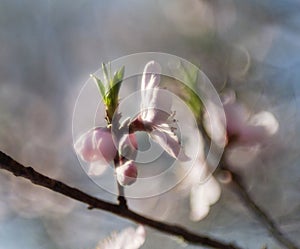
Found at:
<point>246,133</point>
<point>127,173</point>
<point>242,127</point>
<point>245,129</point>
<point>129,238</point>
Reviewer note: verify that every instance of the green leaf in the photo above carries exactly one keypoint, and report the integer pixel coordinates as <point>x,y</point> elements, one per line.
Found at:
<point>106,74</point>
<point>110,90</point>
<point>116,82</point>
<point>190,76</point>
<point>120,73</point>
<point>101,87</point>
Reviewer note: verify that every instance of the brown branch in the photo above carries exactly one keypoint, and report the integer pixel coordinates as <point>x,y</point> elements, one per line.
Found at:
<point>9,164</point>
<point>240,189</point>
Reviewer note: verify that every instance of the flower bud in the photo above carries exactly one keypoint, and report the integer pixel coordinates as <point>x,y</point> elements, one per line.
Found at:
<point>127,173</point>
<point>95,145</point>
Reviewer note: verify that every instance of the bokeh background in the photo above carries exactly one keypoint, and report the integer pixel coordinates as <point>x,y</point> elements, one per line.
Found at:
<point>49,48</point>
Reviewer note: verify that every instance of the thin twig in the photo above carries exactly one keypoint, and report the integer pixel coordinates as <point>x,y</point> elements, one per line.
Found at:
<point>121,198</point>
<point>121,194</point>
<point>9,164</point>
<point>240,189</point>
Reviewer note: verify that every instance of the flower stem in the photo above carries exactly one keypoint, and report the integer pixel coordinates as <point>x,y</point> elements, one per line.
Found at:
<point>121,193</point>
<point>121,198</point>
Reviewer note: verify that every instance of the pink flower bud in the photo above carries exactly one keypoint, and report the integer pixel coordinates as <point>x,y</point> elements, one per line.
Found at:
<point>127,173</point>
<point>95,145</point>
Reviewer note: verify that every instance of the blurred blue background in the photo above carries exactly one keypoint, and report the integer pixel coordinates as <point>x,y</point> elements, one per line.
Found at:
<point>49,48</point>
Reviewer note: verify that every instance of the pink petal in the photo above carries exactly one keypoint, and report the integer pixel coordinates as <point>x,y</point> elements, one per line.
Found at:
<point>158,109</point>
<point>169,142</point>
<point>251,135</point>
<point>128,146</point>
<point>236,118</point>
<point>132,139</point>
<point>149,86</point>
<point>85,147</point>
<point>151,76</point>
<point>96,144</point>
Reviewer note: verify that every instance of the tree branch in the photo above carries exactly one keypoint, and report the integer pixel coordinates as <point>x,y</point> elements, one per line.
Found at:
<point>239,188</point>
<point>9,164</point>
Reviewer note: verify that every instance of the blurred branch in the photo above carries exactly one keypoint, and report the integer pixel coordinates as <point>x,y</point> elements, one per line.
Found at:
<point>9,164</point>
<point>240,189</point>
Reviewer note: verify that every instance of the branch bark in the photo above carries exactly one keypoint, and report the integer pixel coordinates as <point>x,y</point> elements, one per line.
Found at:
<point>9,164</point>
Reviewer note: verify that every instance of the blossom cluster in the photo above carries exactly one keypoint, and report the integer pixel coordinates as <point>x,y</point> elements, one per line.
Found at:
<point>102,145</point>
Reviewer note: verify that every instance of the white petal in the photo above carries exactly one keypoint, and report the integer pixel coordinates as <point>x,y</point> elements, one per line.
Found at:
<point>97,168</point>
<point>149,85</point>
<point>161,103</point>
<point>169,142</point>
<point>259,128</point>
<point>213,190</point>
<point>129,238</point>
<point>151,76</point>
<point>214,123</point>
<point>196,173</point>
<point>199,210</point>
<point>138,239</point>
<point>202,197</point>
<point>267,120</point>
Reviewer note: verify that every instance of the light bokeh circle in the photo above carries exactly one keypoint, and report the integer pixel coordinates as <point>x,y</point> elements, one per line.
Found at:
<point>157,170</point>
